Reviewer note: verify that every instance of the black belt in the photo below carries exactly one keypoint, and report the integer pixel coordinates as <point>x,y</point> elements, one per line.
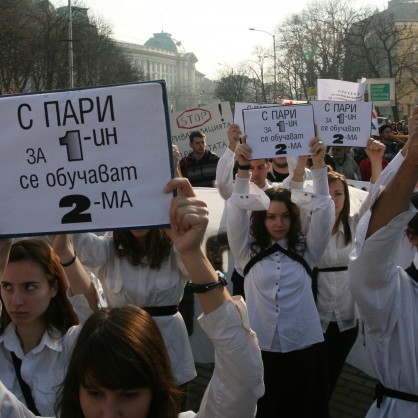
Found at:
<point>314,276</point>
<point>381,391</point>
<point>162,310</point>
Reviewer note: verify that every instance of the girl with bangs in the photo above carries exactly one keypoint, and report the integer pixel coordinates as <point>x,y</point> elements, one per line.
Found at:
<point>266,239</point>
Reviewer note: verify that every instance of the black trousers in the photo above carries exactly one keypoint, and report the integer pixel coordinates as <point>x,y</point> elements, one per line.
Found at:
<point>338,345</point>
<point>289,381</point>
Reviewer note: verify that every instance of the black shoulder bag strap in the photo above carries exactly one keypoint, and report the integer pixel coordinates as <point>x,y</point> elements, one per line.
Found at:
<point>30,403</point>
<point>276,247</point>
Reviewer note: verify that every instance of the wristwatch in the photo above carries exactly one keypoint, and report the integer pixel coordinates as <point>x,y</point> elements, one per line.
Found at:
<point>203,288</point>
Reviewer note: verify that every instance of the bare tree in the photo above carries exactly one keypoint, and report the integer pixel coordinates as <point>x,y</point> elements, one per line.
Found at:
<point>16,53</point>
<point>34,49</point>
<point>233,85</point>
<point>379,47</point>
<point>311,43</point>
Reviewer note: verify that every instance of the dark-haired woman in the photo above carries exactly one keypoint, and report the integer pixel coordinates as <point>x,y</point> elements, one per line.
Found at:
<point>38,326</point>
<point>336,307</point>
<point>141,268</point>
<point>281,306</point>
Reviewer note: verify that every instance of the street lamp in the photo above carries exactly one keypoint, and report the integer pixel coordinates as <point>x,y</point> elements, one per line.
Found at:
<point>274,56</point>
<point>70,47</point>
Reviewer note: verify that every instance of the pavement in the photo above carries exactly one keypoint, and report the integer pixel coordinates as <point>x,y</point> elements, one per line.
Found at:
<point>351,398</point>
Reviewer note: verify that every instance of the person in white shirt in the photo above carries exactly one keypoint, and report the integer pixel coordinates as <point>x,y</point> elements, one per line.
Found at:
<point>280,302</point>
<point>38,326</point>
<point>259,170</point>
<point>387,295</point>
<point>120,366</point>
<point>141,267</point>
<point>335,304</point>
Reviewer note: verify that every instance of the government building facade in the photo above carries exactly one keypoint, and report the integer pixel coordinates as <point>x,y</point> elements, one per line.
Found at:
<point>164,58</point>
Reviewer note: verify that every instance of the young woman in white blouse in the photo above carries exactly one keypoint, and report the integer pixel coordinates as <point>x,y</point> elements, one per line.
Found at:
<point>334,301</point>
<point>120,367</point>
<point>38,325</point>
<point>278,290</point>
<point>141,268</point>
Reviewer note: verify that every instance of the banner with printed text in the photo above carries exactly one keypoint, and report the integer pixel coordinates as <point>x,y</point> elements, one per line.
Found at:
<point>212,120</point>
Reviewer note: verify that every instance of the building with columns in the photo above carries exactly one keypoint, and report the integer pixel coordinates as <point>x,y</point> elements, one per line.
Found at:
<point>164,58</point>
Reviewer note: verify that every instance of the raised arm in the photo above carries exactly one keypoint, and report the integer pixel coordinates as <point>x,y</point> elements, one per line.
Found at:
<point>224,169</point>
<point>80,282</point>
<point>375,150</point>
<point>395,199</point>
<point>189,219</point>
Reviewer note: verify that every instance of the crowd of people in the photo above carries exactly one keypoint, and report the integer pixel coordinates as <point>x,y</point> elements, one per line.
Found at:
<point>90,325</point>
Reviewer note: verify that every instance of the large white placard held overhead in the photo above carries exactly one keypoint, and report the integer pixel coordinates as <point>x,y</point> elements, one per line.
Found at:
<point>89,159</point>
<point>343,123</point>
<point>279,131</point>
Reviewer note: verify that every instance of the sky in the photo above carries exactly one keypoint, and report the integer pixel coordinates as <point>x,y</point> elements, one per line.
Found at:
<point>216,31</point>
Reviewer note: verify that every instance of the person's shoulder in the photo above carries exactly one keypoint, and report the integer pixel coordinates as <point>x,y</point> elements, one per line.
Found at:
<point>184,160</point>
<point>212,155</point>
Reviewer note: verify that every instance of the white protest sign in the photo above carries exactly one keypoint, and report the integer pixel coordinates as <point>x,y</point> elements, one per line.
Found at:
<point>279,131</point>
<point>212,120</point>
<point>89,159</point>
<point>344,124</point>
<point>340,90</point>
<point>239,107</point>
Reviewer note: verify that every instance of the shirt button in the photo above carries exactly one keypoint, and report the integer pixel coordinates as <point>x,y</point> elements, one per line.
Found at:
<point>278,290</point>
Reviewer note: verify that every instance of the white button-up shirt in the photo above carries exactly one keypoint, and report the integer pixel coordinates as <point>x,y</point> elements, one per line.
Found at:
<point>43,368</point>
<point>124,283</point>
<point>387,299</point>
<point>278,291</point>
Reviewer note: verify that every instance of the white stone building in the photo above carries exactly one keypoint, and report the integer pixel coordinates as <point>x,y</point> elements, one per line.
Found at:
<point>164,58</point>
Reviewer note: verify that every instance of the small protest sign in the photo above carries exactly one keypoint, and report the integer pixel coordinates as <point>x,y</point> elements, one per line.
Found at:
<point>343,123</point>
<point>279,131</point>
<point>340,90</point>
<point>212,120</point>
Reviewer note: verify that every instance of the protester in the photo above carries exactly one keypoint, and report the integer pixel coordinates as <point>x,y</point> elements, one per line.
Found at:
<point>141,267</point>
<point>38,326</point>
<point>387,295</point>
<point>344,163</point>
<point>281,306</point>
<point>335,304</point>
<point>120,366</point>
<point>259,170</point>
<point>279,170</point>
<point>200,165</point>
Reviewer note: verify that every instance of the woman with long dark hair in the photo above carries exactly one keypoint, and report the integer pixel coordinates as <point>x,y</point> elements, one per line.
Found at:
<point>276,257</point>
